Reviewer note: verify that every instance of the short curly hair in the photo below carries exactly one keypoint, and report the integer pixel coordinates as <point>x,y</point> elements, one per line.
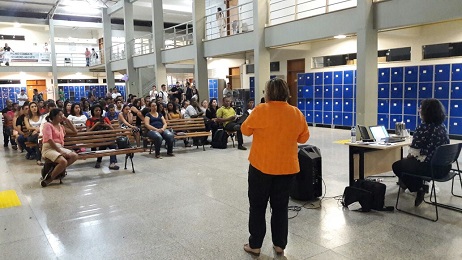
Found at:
<point>432,111</point>
<point>277,90</point>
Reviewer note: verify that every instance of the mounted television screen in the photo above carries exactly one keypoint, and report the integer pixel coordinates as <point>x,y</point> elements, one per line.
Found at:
<point>399,54</point>
<point>274,66</point>
<point>436,51</point>
<point>250,68</point>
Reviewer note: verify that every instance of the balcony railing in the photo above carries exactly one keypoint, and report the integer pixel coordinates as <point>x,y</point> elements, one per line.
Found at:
<point>281,11</point>
<point>142,45</point>
<point>44,59</point>
<point>231,21</point>
<point>116,52</point>
<point>178,35</point>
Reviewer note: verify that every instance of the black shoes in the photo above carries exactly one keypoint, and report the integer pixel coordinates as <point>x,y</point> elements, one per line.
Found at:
<point>241,147</point>
<point>419,197</point>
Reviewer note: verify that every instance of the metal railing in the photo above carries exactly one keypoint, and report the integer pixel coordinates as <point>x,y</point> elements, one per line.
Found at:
<point>281,11</point>
<point>231,21</point>
<point>77,59</point>
<point>116,52</point>
<point>142,45</point>
<point>178,35</point>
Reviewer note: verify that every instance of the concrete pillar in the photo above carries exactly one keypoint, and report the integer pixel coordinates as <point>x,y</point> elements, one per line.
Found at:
<point>366,75</point>
<point>54,67</point>
<point>133,84</point>
<point>107,38</point>
<point>261,53</point>
<point>200,62</point>
<point>158,42</point>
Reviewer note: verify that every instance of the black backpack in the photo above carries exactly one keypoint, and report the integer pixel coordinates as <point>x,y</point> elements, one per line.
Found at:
<point>122,142</point>
<point>370,194</point>
<point>220,139</point>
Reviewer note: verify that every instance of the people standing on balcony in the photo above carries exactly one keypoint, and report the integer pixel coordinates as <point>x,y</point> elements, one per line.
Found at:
<point>22,98</point>
<point>221,22</point>
<point>87,57</point>
<point>7,54</point>
<point>94,56</point>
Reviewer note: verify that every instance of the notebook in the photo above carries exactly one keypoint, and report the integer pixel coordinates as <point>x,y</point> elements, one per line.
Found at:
<point>380,134</point>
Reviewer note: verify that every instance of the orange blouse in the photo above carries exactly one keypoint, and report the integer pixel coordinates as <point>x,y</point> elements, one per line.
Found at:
<point>276,127</point>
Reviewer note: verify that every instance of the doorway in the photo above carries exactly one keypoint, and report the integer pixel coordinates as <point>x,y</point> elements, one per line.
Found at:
<point>293,68</point>
<point>39,84</point>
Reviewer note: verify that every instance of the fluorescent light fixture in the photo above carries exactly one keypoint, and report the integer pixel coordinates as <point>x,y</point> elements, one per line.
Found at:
<point>340,36</point>
<point>17,25</point>
<point>22,73</point>
<point>78,73</point>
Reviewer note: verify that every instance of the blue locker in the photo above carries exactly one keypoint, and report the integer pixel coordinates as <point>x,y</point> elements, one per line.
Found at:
<point>445,103</point>
<point>455,125</point>
<point>328,78</point>
<point>338,77</point>
<point>17,90</point>
<point>318,91</point>
<point>442,72</point>
<point>426,73</point>
<point>327,91</point>
<point>318,104</point>
<point>410,106</point>
<point>93,88</point>
<point>337,105</point>
<point>309,116</point>
<point>308,92</point>
<point>301,79</point>
<point>456,108</point>
<point>411,74</point>
<point>337,118</point>
<point>410,90</point>
<point>348,77</point>
<point>11,96</point>
<point>66,88</point>
<point>396,106</point>
<point>384,90</point>
<point>384,75</point>
<point>456,89</point>
<point>309,79</point>
<point>348,105</point>
<point>425,90</point>
<point>441,90</point>
<point>338,91</point>
<point>397,74</point>
<point>82,89</point>
<point>348,91</point>
<point>299,92</point>
<point>318,117</point>
<point>71,89</point>
<point>309,104</point>
<point>211,93</point>
<point>383,106</point>
<point>327,118</point>
<point>410,121</point>
<point>396,90</point>
<point>456,72</point>
<point>318,78</point>
<point>24,88</point>
<point>347,119</point>
<point>327,104</point>
<point>4,89</point>
<point>301,104</point>
<point>395,119</point>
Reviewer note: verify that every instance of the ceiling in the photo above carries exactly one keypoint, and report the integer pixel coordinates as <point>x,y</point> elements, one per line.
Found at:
<point>175,11</point>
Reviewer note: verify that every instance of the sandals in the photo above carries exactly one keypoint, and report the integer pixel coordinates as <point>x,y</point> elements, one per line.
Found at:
<point>278,250</point>
<point>46,180</point>
<point>39,163</point>
<point>252,251</point>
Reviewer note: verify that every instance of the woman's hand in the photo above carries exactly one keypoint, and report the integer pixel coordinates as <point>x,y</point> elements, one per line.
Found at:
<point>160,130</point>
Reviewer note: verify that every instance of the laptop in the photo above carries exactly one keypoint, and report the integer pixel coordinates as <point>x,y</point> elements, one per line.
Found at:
<point>365,137</point>
<point>380,134</point>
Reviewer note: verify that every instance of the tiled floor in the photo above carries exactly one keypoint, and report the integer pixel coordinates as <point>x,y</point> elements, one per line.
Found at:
<point>194,206</point>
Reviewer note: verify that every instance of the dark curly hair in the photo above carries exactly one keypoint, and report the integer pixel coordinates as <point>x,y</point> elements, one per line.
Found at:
<point>92,109</point>
<point>432,111</point>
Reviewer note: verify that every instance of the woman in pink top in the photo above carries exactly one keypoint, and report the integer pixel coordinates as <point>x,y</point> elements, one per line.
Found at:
<point>53,145</point>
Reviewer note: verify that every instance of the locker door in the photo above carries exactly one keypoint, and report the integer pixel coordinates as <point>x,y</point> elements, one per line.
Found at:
<point>347,91</point>
<point>307,92</point>
<point>318,104</point>
<point>384,75</point>
<point>456,108</point>
<point>318,78</point>
<point>395,119</point>
<point>301,104</point>
<point>410,90</point>
<point>455,125</point>
<point>309,116</point>
<point>426,73</point>
<point>383,106</point>
<point>425,90</point>
<point>309,104</point>
<point>347,119</point>
<point>397,75</point>
<point>348,105</point>
<point>301,79</point>
<point>318,117</point>
<point>410,121</point>
<point>410,106</point>
<point>328,77</point>
<point>327,117</point>
<point>348,77</point>
<point>396,90</point>
<point>396,106</point>
<point>411,74</point>
<point>318,91</point>
<point>456,90</point>
<point>327,93</point>
<point>337,118</point>
<point>338,77</point>
<point>383,119</point>
<point>337,105</point>
<point>327,106</point>
<point>456,72</point>
<point>441,90</point>
<point>442,72</point>
<point>384,90</point>
<point>309,79</point>
<point>338,91</point>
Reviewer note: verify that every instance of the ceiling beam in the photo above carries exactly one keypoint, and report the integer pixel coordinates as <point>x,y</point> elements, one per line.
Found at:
<point>52,11</point>
<point>26,2</point>
<point>116,7</point>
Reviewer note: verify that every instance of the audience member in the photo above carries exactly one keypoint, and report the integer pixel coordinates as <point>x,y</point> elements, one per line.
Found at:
<point>157,130</point>
<point>77,117</point>
<point>111,113</point>
<point>163,94</point>
<point>67,108</point>
<point>193,110</point>
<point>227,116</point>
<point>20,127</point>
<point>22,97</point>
<point>153,93</point>
<point>33,122</point>
<point>126,122</point>
<point>211,115</point>
<point>172,112</point>
<point>37,96</point>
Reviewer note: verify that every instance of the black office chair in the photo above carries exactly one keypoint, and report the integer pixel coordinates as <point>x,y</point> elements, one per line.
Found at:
<point>444,155</point>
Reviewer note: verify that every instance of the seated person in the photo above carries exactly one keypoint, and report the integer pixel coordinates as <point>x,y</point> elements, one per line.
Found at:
<point>20,127</point>
<point>98,123</point>
<point>112,114</point>
<point>172,111</point>
<point>250,106</point>
<point>211,115</point>
<point>126,122</point>
<point>430,134</point>
<point>193,110</point>
<point>227,116</point>
<point>77,117</point>
<point>33,122</point>
<point>53,145</point>
<point>157,130</point>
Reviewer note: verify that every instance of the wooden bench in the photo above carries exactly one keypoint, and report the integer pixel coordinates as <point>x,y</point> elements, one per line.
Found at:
<point>184,128</point>
<point>95,139</point>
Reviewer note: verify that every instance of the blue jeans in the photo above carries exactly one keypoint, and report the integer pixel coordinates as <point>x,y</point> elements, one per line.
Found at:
<point>22,144</point>
<point>112,158</point>
<point>158,137</point>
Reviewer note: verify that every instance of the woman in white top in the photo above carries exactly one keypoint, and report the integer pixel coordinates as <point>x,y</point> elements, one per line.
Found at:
<point>33,122</point>
<point>77,117</point>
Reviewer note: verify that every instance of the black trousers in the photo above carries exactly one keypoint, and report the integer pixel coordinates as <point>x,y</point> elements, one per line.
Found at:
<point>413,166</point>
<point>275,188</point>
<point>233,126</point>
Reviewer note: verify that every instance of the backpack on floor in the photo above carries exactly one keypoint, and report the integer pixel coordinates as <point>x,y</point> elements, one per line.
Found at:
<point>220,139</point>
<point>370,194</point>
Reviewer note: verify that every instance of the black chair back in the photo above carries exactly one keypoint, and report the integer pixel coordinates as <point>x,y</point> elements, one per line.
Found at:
<point>445,155</point>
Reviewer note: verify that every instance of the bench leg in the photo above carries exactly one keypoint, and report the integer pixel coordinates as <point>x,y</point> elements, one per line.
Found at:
<point>203,147</point>
<point>129,155</point>
<point>131,160</point>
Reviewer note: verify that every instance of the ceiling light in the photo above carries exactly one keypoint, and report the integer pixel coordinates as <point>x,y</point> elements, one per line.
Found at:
<point>340,36</point>
<point>78,73</point>
<point>17,25</point>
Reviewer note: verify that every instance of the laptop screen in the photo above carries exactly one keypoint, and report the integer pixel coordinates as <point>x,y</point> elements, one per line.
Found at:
<point>379,133</point>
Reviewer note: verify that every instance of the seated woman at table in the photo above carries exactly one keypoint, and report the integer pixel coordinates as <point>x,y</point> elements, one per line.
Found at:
<point>53,145</point>
<point>157,130</point>
<point>430,134</point>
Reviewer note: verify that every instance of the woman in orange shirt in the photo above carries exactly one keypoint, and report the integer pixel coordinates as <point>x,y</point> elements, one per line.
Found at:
<point>273,162</point>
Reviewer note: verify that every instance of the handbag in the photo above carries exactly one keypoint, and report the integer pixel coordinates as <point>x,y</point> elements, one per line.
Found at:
<point>370,194</point>
<point>122,142</point>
